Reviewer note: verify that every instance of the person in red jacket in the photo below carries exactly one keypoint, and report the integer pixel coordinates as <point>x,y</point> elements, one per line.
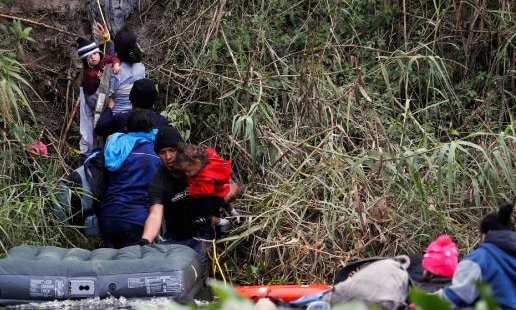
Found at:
<point>207,175</point>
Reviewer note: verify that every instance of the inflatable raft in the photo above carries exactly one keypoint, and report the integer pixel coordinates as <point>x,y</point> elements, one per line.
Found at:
<point>33,273</point>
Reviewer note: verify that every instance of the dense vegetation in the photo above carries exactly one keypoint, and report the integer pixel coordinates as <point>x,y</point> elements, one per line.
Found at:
<point>359,128</point>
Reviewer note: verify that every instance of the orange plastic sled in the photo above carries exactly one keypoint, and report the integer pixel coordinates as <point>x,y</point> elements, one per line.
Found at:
<point>285,292</point>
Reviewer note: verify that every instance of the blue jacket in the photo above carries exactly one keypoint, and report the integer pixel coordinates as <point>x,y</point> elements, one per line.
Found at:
<point>127,196</point>
<point>493,262</point>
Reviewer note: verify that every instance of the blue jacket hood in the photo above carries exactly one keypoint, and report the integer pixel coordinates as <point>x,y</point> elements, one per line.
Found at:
<point>120,145</point>
<point>504,239</point>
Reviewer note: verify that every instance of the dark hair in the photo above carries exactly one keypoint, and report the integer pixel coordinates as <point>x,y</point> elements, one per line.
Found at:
<point>190,154</point>
<point>500,220</point>
<point>139,121</point>
<point>126,47</point>
<point>143,94</point>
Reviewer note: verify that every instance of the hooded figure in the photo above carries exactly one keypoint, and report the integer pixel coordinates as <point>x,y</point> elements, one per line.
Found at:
<point>131,164</point>
<point>492,262</point>
<point>131,70</point>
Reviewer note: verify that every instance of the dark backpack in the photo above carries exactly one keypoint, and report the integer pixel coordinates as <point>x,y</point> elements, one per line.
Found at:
<point>96,175</point>
<point>82,193</point>
<point>415,271</point>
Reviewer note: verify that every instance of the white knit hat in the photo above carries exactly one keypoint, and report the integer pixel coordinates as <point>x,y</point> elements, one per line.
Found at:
<point>86,48</point>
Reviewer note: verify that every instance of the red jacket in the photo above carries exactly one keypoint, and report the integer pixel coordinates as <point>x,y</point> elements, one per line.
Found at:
<point>213,179</point>
<point>91,79</point>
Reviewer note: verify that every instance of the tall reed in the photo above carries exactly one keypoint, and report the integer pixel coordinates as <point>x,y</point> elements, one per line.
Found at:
<point>360,128</point>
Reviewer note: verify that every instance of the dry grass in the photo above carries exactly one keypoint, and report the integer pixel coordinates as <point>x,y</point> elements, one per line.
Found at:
<point>358,128</point>
<point>350,144</point>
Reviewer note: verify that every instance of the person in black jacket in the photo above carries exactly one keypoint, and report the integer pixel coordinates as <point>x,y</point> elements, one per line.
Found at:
<point>143,96</point>
<point>187,219</point>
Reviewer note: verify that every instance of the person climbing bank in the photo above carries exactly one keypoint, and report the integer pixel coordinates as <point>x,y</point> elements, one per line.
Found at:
<point>131,70</point>
<point>131,162</point>
<point>142,96</point>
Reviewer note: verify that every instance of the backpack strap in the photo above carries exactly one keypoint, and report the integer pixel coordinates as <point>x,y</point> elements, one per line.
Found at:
<point>103,89</point>
<point>101,102</point>
<point>96,174</point>
<point>346,271</point>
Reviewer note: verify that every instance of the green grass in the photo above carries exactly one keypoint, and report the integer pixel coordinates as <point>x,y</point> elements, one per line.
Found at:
<point>29,183</point>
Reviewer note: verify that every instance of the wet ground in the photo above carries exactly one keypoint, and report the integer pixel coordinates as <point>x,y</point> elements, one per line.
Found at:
<point>203,298</point>
<point>97,303</point>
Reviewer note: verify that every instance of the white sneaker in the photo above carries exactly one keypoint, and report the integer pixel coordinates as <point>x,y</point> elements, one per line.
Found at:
<point>224,225</point>
<point>234,212</point>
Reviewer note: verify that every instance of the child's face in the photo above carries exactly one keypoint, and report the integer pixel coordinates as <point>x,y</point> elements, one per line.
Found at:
<point>94,59</point>
<point>191,169</point>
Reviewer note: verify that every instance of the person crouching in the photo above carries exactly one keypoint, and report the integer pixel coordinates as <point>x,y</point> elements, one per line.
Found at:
<point>492,262</point>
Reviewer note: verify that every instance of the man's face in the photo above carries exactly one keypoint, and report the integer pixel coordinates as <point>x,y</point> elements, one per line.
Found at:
<point>168,158</point>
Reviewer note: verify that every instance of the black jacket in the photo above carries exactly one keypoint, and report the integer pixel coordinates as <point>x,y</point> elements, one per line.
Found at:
<point>110,123</point>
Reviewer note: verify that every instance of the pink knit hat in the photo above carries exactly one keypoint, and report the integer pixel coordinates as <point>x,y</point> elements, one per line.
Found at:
<point>441,257</point>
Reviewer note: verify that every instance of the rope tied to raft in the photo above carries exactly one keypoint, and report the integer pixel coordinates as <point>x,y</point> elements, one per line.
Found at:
<point>216,263</point>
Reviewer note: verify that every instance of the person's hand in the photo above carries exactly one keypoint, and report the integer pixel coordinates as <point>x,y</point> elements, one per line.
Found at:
<point>234,191</point>
<point>100,32</point>
<point>265,304</point>
<point>110,103</point>
<point>144,241</point>
<point>234,213</point>
<point>116,68</point>
<point>224,225</point>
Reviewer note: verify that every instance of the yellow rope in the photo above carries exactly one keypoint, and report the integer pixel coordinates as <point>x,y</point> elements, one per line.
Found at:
<point>106,25</point>
<point>216,262</point>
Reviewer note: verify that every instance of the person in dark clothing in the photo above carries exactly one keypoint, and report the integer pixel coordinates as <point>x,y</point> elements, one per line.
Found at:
<point>186,218</point>
<point>142,96</point>
<point>131,163</point>
<point>493,262</point>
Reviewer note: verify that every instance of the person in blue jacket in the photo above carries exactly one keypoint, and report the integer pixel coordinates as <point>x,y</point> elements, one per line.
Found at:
<point>131,163</point>
<point>492,262</point>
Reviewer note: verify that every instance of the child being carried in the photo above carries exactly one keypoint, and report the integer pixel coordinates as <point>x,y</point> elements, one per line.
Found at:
<point>94,62</point>
<point>207,175</point>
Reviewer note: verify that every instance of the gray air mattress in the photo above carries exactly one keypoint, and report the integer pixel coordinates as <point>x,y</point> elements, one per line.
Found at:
<point>41,273</point>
